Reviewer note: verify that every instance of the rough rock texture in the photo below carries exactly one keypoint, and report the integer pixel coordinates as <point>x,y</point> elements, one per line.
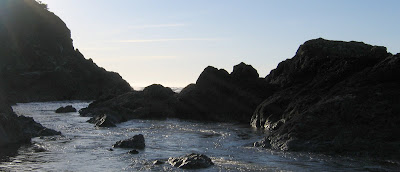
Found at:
<point>216,96</point>
<point>191,161</point>
<point>155,101</point>
<point>66,109</point>
<point>38,60</point>
<point>136,142</point>
<point>335,97</point>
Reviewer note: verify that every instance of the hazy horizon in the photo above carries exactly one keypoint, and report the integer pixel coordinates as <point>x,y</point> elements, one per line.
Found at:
<point>171,42</point>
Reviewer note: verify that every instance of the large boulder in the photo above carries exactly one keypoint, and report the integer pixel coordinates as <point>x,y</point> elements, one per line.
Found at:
<point>334,97</point>
<point>136,142</point>
<point>38,60</point>
<point>191,161</point>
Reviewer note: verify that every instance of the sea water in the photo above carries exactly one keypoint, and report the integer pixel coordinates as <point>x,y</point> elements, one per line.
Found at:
<point>84,147</point>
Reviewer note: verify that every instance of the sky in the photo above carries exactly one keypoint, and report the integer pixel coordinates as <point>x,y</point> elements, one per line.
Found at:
<point>170,42</point>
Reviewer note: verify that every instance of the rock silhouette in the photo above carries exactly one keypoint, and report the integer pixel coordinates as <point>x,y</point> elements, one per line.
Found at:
<point>334,97</point>
<point>39,63</point>
<point>66,109</point>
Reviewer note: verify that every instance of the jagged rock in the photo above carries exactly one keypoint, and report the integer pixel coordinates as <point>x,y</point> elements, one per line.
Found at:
<point>191,161</point>
<point>39,62</point>
<point>136,142</point>
<point>66,109</point>
<point>334,97</point>
<point>220,96</point>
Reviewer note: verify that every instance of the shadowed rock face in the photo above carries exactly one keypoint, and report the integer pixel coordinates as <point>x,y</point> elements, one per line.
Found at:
<point>154,102</point>
<point>335,97</point>
<point>216,96</point>
<point>220,96</point>
<point>18,129</point>
<point>39,63</point>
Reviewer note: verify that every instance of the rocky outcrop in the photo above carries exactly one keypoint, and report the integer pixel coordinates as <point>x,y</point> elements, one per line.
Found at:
<point>335,97</point>
<point>66,109</point>
<point>191,161</point>
<point>216,96</point>
<point>136,142</point>
<point>154,102</point>
<point>18,129</point>
<point>39,63</point>
<point>220,96</point>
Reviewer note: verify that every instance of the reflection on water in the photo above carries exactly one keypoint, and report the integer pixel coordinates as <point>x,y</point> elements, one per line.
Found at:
<point>83,147</point>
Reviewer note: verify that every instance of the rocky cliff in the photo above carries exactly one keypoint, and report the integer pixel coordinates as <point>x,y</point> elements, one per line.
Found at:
<point>335,97</point>
<point>39,63</point>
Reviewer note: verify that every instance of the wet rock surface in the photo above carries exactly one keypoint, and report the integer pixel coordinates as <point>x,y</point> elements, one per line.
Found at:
<point>191,161</point>
<point>334,97</point>
<point>66,109</point>
<point>136,142</point>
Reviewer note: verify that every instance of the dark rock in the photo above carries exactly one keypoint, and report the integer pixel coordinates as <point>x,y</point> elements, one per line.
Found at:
<point>154,102</point>
<point>191,161</point>
<point>111,149</point>
<point>220,96</point>
<point>133,152</point>
<point>18,129</point>
<point>39,62</point>
<point>334,97</point>
<point>102,121</point>
<point>66,109</point>
<point>136,142</point>
<point>158,162</point>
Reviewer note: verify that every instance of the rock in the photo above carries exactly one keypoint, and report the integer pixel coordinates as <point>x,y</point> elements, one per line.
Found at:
<point>154,102</point>
<point>158,162</point>
<point>220,96</point>
<point>39,62</point>
<point>111,149</point>
<point>334,97</point>
<point>136,142</point>
<point>66,109</point>
<point>133,152</point>
<point>191,161</point>
<point>18,129</point>
<point>102,121</point>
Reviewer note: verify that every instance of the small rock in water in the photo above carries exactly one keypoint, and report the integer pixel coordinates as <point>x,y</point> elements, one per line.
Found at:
<point>111,149</point>
<point>66,109</point>
<point>158,162</point>
<point>134,151</point>
<point>104,121</point>
<point>191,161</point>
<point>136,142</point>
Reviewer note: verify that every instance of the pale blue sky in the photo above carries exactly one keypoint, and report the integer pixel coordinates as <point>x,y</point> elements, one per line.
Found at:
<point>171,41</point>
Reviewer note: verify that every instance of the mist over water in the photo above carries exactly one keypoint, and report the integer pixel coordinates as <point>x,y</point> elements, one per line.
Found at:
<point>83,147</point>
